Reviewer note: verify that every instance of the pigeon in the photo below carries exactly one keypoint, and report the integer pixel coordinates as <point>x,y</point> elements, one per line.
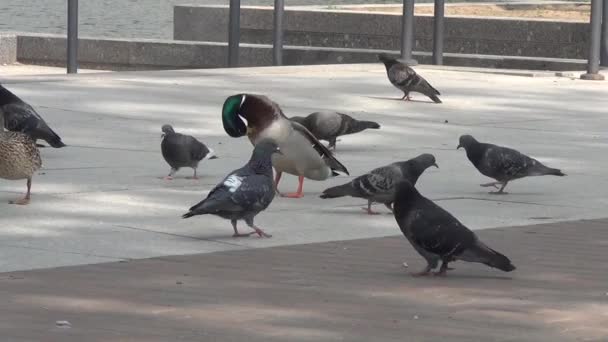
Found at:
<point>379,185</point>
<point>437,235</point>
<point>502,163</point>
<point>244,193</point>
<point>21,117</point>
<point>180,150</point>
<point>330,125</point>
<point>406,79</point>
<point>302,154</point>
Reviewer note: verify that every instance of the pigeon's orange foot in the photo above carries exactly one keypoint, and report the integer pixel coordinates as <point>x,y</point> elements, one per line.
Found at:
<point>236,235</point>
<point>167,178</point>
<point>369,211</point>
<point>22,201</point>
<point>261,233</point>
<point>293,195</point>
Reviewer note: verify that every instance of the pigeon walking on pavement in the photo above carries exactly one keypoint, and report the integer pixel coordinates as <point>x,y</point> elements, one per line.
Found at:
<point>180,150</point>
<point>438,236</point>
<point>406,79</point>
<point>330,125</point>
<point>502,163</point>
<point>21,117</point>
<point>244,193</point>
<point>380,184</point>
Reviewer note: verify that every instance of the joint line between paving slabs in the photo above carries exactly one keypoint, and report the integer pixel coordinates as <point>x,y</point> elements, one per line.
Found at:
<point>178,235</point>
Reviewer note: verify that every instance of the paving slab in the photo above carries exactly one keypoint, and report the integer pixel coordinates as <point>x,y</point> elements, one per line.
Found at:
<point>353,290</point>
<point>101,197</point>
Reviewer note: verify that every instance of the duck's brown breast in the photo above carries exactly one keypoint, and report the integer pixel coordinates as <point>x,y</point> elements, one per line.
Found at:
<point>19,156</point>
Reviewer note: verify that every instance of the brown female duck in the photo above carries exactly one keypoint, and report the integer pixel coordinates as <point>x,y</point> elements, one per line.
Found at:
<point>19,158</point>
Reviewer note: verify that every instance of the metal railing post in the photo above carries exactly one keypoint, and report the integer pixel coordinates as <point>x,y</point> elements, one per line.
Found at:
<point>593,63</point>
<point>72,39</point>
<point>438,31</point>
<point>407,32</point>
<point>604,38</point>
<point>277,34</point>
<point>234,32</point>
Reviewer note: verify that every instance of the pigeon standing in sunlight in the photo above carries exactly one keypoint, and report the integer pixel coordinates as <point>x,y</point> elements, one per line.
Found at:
<point>330,125</point>
<point>244,193</point>
<point>180,150</point>
<point>406,79</point>
<point>438,236</point>
<point>380,184</point>
<point>21,117</point>
<point>502,163</point>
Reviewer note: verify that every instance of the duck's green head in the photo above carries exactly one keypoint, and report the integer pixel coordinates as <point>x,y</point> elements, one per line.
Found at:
<point>231,118</point>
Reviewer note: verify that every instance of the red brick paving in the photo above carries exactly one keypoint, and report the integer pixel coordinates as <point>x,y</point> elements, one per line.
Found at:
<point>335,291</point>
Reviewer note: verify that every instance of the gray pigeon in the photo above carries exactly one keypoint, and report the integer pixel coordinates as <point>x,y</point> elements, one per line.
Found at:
<point>180,150</point>
<point>502,163</point>
<point>330,125</point>
<point>379,185</point>
<point>406,79</point>
<point>437,235</point>
<point>21,117</point>
<point>244,192</point>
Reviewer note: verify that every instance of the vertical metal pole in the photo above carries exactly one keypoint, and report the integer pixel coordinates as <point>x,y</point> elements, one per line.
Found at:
<point>407,32</point>
<point>72,52</point>
<point>438,31</point>
<point>593,63</point>
<point>277,36</point>
<point>234,32</point>
<point>604,39</point>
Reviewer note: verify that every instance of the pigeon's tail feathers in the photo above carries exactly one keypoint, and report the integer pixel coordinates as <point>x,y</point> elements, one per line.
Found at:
<point>210,155</point>
<point>197,209</point>
<point>359,126</point>
<point>50,137</point>
<point>555,172</point>
<point>490,257</point>
<point>435,98</point>
<point>338,191</point>
<point>188,214</point>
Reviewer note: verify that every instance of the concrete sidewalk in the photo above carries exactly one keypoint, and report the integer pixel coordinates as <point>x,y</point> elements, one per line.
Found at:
<point>100,199</point>
<point>335,291</point>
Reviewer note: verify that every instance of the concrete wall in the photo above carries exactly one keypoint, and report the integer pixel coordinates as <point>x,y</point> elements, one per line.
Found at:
<point>141,54</point>
<point>486,36</point>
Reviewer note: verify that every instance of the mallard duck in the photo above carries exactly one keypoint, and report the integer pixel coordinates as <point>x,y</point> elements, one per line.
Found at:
<point>302,154</point>
<point>19,159</point>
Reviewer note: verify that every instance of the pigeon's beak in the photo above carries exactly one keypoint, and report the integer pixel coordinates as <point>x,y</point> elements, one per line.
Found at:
<point>213,157</point>
<point>459,146</point>
<point>277,151</point>
<point>162,135</point>
<point>435,165</point>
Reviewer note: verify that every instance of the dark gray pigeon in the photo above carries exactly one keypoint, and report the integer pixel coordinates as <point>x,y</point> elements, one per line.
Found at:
<point>21,117</point>
<point>180,150</point>
<point>330,125</point>
<point>244,192</point>
<point>502,163</point>
<point>439,236</point>
<point>379,185</point>
<point>406,79</point>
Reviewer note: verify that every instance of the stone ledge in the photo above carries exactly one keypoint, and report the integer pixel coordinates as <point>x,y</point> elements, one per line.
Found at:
<point>8,48</point>
<point>147,54</point>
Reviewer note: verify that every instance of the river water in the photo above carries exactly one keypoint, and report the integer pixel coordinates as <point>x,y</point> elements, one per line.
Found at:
<point>115,18</point>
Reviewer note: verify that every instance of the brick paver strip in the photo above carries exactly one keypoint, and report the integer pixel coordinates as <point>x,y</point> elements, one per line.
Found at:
<point>335,291</point>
